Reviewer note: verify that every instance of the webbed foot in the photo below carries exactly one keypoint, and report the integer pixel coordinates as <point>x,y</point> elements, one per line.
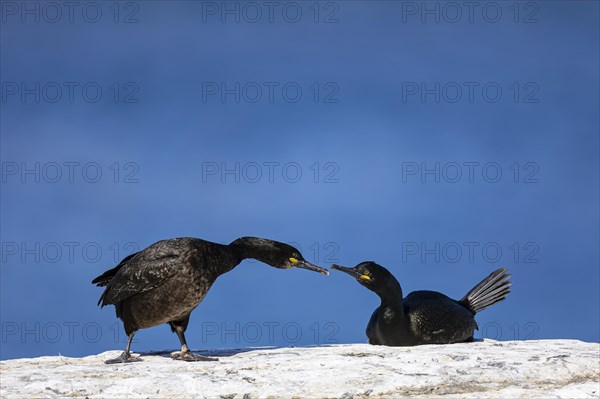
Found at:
<point>125,357</point>
<point>188,356</point>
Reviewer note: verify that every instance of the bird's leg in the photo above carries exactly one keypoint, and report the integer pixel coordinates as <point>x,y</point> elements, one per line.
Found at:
<point>185,353</point>
<point>125,357</point>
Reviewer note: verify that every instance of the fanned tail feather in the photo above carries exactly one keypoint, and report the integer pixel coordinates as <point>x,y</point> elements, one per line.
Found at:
<point>494,288</point>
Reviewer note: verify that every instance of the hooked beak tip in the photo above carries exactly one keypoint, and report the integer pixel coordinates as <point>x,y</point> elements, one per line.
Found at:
<point>347,270</point>
<point>341,268</point>
<point>314,268</point>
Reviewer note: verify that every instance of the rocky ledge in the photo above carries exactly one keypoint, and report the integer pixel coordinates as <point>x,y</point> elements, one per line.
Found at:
<point>486,369</point>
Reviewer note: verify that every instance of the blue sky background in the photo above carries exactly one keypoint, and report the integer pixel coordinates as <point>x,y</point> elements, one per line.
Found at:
<point>162,131</point>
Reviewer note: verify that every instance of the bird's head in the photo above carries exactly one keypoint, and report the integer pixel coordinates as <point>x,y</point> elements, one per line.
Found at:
<point>288,257</point>
<point>369,274</point>
<point>276,254</point>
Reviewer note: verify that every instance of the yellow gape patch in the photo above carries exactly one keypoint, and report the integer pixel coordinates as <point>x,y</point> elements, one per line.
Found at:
<point>365,277</point>
<point>294,260</point>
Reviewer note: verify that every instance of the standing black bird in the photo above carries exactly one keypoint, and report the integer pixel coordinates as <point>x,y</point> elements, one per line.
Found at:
<point>424,317</point>
<point>166,281</point>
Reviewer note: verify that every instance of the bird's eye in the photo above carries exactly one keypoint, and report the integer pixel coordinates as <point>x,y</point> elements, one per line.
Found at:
<point>365,275</point>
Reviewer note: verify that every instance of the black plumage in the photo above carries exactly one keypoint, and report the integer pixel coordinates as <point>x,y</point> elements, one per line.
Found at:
<point>424,317</point>
<point>166,281</point>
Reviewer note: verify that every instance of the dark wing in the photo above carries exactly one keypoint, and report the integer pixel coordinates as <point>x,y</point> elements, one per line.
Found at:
<point>144,271</point>
<point>437,318</point>
<point>103,279</point>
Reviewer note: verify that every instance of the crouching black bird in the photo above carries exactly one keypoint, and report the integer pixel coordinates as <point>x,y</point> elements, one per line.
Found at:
<point>166,281</point>
<point>424,317</point>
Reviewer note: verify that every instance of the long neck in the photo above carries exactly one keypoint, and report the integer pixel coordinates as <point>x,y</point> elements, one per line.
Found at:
<point>391,294</point>
<point>253,248</point>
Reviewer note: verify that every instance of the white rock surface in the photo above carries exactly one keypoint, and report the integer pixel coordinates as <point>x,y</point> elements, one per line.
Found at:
<point>527,369</point>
